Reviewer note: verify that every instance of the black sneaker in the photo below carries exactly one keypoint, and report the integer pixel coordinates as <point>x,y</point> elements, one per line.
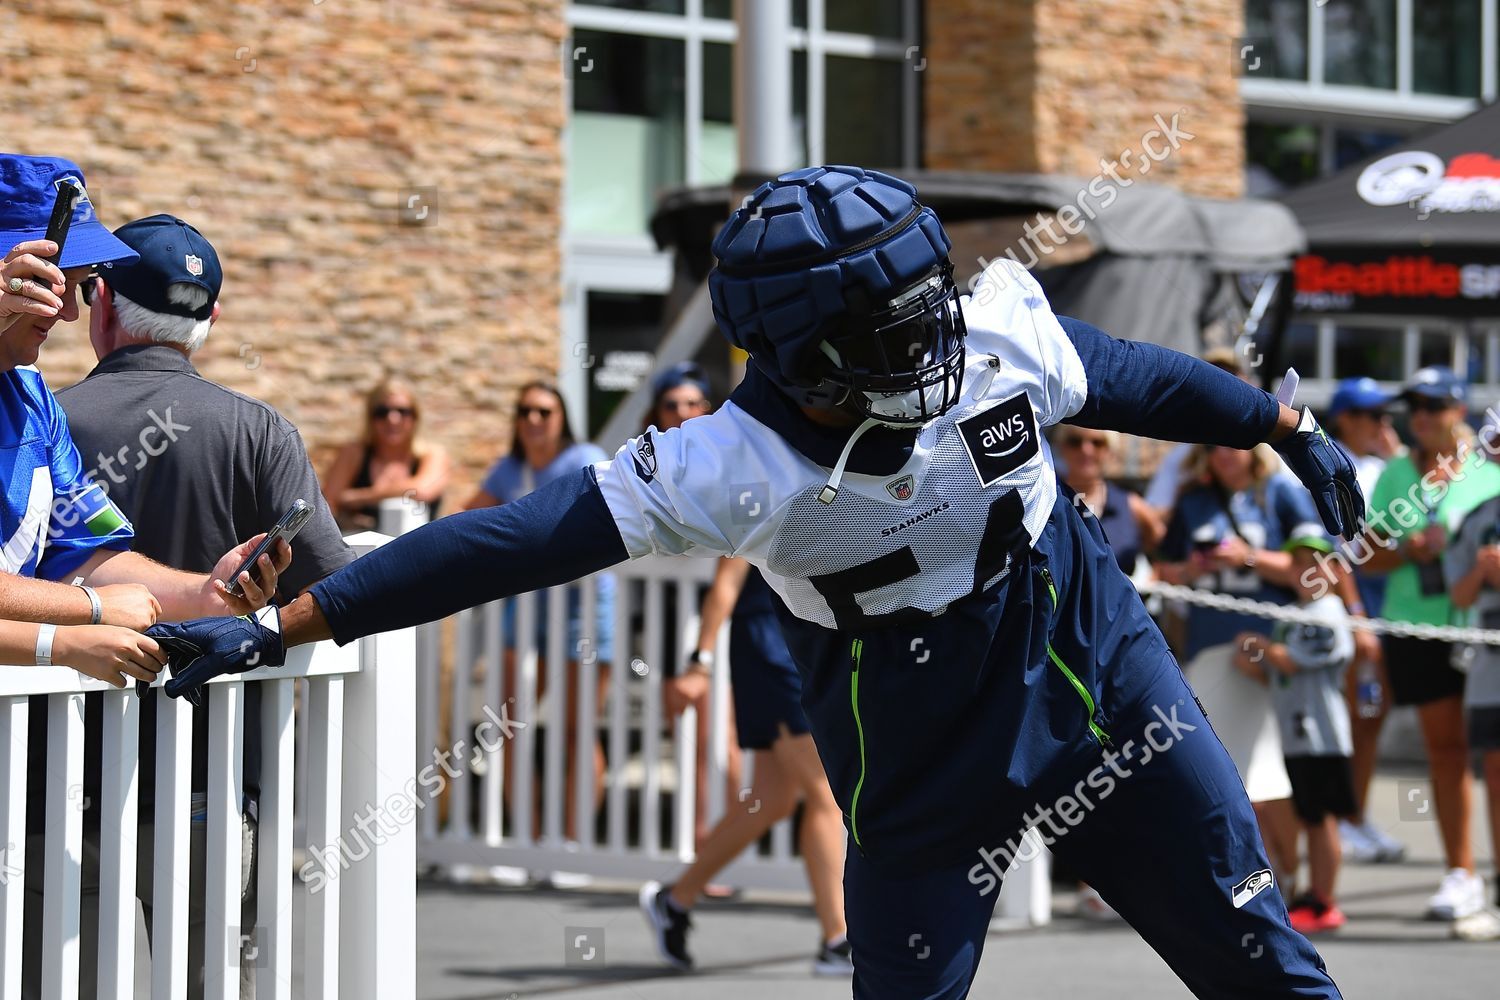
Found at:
<point>669,927</point>
<point>834,959</point>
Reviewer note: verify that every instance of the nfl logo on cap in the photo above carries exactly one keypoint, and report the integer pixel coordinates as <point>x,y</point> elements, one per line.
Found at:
<point>195,266</point>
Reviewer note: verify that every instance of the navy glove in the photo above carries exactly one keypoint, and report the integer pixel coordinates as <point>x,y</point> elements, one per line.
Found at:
<point>1328,473</point>
<point>205,648</point>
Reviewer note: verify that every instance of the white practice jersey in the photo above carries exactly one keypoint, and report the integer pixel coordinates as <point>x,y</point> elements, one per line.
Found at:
<point>917,538</point>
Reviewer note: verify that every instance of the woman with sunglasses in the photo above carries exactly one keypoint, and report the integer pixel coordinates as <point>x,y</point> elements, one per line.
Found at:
<point>1129,524</point>
<point>543,449</point>
<point>1419,499</point>
<point>387,462</point>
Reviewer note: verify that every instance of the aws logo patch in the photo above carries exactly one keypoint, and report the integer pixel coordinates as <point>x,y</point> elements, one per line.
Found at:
<point>1001,439</point>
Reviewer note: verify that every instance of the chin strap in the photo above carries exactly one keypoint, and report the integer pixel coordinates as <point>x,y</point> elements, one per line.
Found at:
<point>831,488</point>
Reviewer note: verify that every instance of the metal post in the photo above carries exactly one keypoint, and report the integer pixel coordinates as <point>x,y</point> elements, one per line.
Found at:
<point>763,86</point>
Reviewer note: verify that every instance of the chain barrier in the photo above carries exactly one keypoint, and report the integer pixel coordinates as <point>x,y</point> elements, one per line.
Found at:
<point>1292,613</point>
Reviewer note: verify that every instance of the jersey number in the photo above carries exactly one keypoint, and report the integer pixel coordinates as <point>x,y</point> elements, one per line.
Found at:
<point>1004,533</point>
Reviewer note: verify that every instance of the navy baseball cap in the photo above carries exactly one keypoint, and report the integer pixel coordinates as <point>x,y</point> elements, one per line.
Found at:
<point>1437,382</point>
<point>28,190</point>
<point>171,252</point>
<point>682,373</point>
<point>1362,393</point>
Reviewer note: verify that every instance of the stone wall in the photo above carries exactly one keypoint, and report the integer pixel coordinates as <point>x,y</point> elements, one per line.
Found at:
<point>294,135</point>
<point>1055,85</point>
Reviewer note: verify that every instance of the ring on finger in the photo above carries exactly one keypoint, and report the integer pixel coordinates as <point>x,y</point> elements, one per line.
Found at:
<point>16,284</point>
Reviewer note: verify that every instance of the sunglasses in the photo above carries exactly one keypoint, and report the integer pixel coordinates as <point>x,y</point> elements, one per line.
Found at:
<point>678,405</point>
<point>1421,404</point>
<point>382,412</point>
<point>527,412</point>
<point>1079,442</point>
<point>1371,414</point>
<point>86,289</point>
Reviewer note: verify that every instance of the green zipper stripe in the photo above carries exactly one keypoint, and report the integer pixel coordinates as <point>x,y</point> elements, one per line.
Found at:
<point>1083,692</point>
<point>857,650</point>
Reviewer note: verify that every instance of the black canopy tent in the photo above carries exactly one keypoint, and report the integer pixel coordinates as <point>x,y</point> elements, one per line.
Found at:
<point>1413,232</point>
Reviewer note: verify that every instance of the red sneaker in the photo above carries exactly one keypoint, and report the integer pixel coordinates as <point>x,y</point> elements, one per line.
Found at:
<point>1310,915</point>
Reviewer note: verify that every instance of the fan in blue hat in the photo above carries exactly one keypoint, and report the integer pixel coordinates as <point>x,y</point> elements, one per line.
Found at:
<point>34,293</point>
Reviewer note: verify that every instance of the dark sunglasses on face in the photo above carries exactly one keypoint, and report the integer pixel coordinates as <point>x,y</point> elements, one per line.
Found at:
<point>382,412</point>
<point>1421,404</point>
<point>1079,442</point>
<point>526,412</point>
<point>86,289</point>
<point>1372,414</point>
<point>678,405</point>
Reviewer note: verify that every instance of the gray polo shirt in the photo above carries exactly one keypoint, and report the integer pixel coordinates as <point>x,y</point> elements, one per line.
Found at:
<point>1310,704</point>
<point>1479,528</point>
<point>197,468</point>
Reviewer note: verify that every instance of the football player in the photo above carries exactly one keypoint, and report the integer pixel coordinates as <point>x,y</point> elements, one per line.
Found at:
<point>973,660</point>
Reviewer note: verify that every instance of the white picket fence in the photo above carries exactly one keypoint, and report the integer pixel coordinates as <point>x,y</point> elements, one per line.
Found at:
<point>649,803</point>
<point>356,745</point>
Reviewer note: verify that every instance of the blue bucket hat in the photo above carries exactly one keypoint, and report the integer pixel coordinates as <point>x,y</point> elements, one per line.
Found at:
<point>28,190</point>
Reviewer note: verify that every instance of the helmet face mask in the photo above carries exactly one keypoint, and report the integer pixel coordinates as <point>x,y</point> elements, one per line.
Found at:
<point>902,361</point>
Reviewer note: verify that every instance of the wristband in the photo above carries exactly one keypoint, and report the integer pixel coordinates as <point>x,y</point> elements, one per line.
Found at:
<point>44,636</point>
<point>96,616</point>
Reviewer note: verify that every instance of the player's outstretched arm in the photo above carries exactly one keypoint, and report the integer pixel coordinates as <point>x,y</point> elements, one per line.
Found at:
<point>558,534</point>
<point>1156,392</point>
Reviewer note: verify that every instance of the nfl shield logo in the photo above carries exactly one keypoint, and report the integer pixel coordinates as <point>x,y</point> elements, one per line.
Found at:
<point>901,488</point>
<point>195,266</point>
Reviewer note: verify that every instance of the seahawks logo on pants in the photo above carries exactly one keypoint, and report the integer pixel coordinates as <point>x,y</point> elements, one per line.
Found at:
<point>1252,886</point>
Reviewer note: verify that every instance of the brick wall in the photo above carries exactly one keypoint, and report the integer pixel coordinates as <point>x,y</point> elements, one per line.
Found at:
<point>1053,85</point>
<point>289,132</point>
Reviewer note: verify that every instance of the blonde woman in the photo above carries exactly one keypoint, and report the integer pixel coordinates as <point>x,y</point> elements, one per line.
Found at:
<point>387,461</point>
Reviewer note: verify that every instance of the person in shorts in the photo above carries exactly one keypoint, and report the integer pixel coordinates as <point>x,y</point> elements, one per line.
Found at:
<point>1472,566</point>
<point>1303,664</point>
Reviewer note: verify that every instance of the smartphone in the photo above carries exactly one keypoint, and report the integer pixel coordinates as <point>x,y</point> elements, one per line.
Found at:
<point>68,195</point>
<point>291,522</point>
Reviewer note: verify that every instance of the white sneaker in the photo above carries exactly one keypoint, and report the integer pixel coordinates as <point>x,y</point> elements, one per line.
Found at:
<point>1091,905</point>
<point>1481,926</point>
<point>1387,848</point>
<point>1460,894</point>
<point>1355,844</point>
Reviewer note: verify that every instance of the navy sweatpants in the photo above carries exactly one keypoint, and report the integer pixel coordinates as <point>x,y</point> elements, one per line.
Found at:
<point>1172,844</point>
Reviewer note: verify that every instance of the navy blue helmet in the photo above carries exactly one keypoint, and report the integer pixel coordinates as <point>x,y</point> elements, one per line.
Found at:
<point>836,281</point>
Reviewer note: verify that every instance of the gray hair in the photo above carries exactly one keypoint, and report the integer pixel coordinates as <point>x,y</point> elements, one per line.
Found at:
<point>140,323</point>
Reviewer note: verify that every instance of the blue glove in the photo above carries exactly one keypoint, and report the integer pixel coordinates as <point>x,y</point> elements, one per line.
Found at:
<point>205,648</point>
<point>1325,468</point>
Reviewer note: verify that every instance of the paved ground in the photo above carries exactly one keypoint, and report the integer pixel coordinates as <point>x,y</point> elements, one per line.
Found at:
<point>493,944</point>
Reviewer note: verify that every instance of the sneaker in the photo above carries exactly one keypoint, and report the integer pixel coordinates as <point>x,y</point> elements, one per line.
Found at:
<point>1388,850</point>
<point>836,959</point>
<point>1460,894</point>
<point>1356,844</point>
<point>1310,915</point>
<point>1091,905</point>
<point>669,926</point>
<point>1481,926</point>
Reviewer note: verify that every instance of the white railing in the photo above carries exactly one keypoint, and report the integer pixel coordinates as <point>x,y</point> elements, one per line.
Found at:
<point>356,745</point>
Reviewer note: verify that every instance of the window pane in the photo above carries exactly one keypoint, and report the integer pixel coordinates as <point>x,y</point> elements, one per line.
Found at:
<point>625,139</point>
<point>654,6</point>
<point>1359,46</point>
<point>1445,47</point>
<point>864,17</point>
<point>863,113</point>
<point>799,107</point>
<point>1434,348</point>
<point>1281,24</point>
<point>1287,153</point>
<point>718,145</point>
<point>721,9</point>
<point>1299,347</point>
<point>1352,145</point>
<point>1373,351</point>
<point>623,333</point>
